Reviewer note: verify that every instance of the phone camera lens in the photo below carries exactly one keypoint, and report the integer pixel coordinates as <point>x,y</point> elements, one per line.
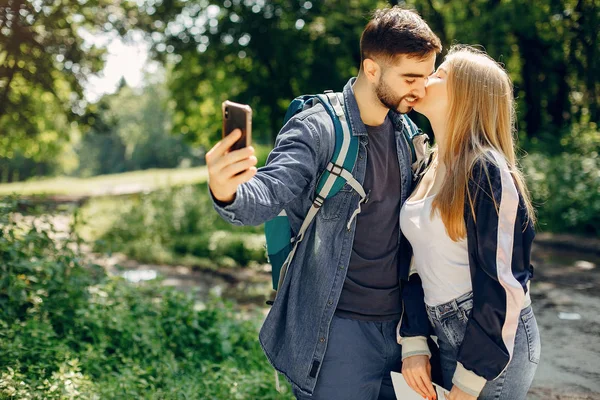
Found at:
<point>226,112</point>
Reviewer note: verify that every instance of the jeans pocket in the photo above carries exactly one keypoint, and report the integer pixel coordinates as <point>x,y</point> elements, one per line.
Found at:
<point>533,335</point>
<point>454,329</point>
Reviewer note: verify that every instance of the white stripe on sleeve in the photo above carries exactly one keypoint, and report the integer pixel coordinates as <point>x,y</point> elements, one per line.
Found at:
<point>507,215</point>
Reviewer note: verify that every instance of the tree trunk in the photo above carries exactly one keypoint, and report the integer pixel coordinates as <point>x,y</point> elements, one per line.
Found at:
<point>438,25</point>
<point>529,49</point>
<point>558,104</point>
<point>590,42</point>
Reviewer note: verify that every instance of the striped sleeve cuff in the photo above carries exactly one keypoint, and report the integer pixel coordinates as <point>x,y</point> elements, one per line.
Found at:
<point>468,381</point>
<point>414,346</point>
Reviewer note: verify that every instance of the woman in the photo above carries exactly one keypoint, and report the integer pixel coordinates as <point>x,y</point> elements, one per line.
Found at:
<point>470,225</point>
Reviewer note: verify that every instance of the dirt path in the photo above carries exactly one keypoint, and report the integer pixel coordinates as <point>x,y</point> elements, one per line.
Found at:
<point>566,299</point>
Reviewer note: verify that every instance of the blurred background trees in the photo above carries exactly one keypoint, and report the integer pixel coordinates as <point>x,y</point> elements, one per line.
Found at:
<point>264,53</point>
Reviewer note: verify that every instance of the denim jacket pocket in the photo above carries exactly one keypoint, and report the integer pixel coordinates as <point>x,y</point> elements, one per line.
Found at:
<point>533,335</point>
<point>337,205</point>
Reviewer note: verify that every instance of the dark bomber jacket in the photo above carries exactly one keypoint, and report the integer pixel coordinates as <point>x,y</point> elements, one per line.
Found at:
<point>499,238</point>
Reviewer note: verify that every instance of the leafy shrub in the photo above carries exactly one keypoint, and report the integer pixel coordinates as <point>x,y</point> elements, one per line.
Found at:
<point>565,191</point>
<point>566,187</point>
<point>39,277</point>
<point>67,331</point>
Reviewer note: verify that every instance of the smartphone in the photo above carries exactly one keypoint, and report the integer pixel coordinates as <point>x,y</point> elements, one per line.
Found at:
<point>237,116</point>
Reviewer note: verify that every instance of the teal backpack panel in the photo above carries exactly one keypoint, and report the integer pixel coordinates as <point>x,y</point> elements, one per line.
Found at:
<point>278,234</point>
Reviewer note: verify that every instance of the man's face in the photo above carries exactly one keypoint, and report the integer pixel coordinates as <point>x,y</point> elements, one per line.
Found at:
<point>402,83</point>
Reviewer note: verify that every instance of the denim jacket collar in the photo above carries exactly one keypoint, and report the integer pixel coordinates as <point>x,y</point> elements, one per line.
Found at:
<point>356,124</point>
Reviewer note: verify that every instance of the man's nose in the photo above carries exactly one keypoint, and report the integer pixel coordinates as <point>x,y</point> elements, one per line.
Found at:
<point>420,90</point>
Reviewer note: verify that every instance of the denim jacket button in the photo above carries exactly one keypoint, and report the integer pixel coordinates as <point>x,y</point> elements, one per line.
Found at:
<point>330,303</point>
<point>341,267</point>
<point>322,340</point>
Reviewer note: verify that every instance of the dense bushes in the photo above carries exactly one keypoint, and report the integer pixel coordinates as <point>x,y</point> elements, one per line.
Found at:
<point>69,331</point>
<point>565,185</point>
<point>566,192</point>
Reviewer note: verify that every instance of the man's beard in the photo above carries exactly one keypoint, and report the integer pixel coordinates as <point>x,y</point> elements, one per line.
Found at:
<point>386,97</point>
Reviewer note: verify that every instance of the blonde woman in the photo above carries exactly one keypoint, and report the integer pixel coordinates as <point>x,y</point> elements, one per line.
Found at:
<point>470,225</point>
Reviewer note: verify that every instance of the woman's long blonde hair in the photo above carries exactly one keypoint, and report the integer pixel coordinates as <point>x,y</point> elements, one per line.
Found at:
<point>481,117</point>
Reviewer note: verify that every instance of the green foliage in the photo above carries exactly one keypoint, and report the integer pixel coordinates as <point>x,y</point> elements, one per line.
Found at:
<point>266,53</point>
<point>35,137</point>
<point>128,182</point>
<point>548,48</point>
<point>20,167</point>
<point>35,272</point>
<point>69,332</point>
<point>565,186</point>
<point>263,54</point>
<point>565,192</point>
<point>262,153</point>
<point>43,62</point>
<point>179,225</point>
<point>131,130</point>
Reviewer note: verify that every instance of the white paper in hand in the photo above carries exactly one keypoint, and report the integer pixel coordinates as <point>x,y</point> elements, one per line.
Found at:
<point>404,392</point>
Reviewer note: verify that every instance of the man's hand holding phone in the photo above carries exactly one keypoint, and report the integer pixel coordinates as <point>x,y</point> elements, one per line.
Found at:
<point>229,169</point>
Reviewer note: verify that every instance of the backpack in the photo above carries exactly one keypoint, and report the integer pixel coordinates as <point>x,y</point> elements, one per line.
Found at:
<point>281,243</point>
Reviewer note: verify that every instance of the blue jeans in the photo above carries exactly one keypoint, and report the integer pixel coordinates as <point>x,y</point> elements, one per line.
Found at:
<point>358,361</point>
<point>449,322</point>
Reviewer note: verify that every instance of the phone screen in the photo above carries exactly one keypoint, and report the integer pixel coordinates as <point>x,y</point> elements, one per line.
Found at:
<point>237,116</point>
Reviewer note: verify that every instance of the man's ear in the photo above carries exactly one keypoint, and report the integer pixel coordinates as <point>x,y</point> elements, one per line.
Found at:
<point>372,70</point>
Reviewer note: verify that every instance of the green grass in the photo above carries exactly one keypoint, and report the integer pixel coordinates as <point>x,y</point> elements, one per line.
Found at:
<point>129,182</point>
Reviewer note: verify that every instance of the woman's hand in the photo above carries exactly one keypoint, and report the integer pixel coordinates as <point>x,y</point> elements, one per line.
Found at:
<point>417,373</point>
<point>457,394</point>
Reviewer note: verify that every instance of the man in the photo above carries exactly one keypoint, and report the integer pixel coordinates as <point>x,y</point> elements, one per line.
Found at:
<point>331,330</point>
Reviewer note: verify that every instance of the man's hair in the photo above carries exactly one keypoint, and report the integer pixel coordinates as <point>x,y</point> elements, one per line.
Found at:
<point>397,31</point>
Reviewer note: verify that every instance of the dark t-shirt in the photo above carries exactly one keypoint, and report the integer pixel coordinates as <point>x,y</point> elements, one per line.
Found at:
<point>371,290</point>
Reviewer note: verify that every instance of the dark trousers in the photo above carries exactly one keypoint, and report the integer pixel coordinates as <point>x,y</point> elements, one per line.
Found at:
<point>359,358</point>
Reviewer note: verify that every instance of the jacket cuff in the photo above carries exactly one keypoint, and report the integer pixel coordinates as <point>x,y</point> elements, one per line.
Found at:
<point>415,346</point>
<point>468,381</point>
<point>228,211</point>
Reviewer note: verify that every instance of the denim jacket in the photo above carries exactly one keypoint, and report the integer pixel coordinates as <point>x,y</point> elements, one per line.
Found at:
<point>295,333</point>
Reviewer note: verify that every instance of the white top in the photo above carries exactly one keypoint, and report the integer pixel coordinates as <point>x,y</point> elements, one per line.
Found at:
<point>442,264</point>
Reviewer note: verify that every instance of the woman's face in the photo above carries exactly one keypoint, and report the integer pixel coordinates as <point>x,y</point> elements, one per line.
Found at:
<point>435,102</point>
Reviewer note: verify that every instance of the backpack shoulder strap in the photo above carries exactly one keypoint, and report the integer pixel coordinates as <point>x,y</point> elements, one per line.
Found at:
<point>337,173</point>
<point>297,105</point>
<point>339,170</point>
